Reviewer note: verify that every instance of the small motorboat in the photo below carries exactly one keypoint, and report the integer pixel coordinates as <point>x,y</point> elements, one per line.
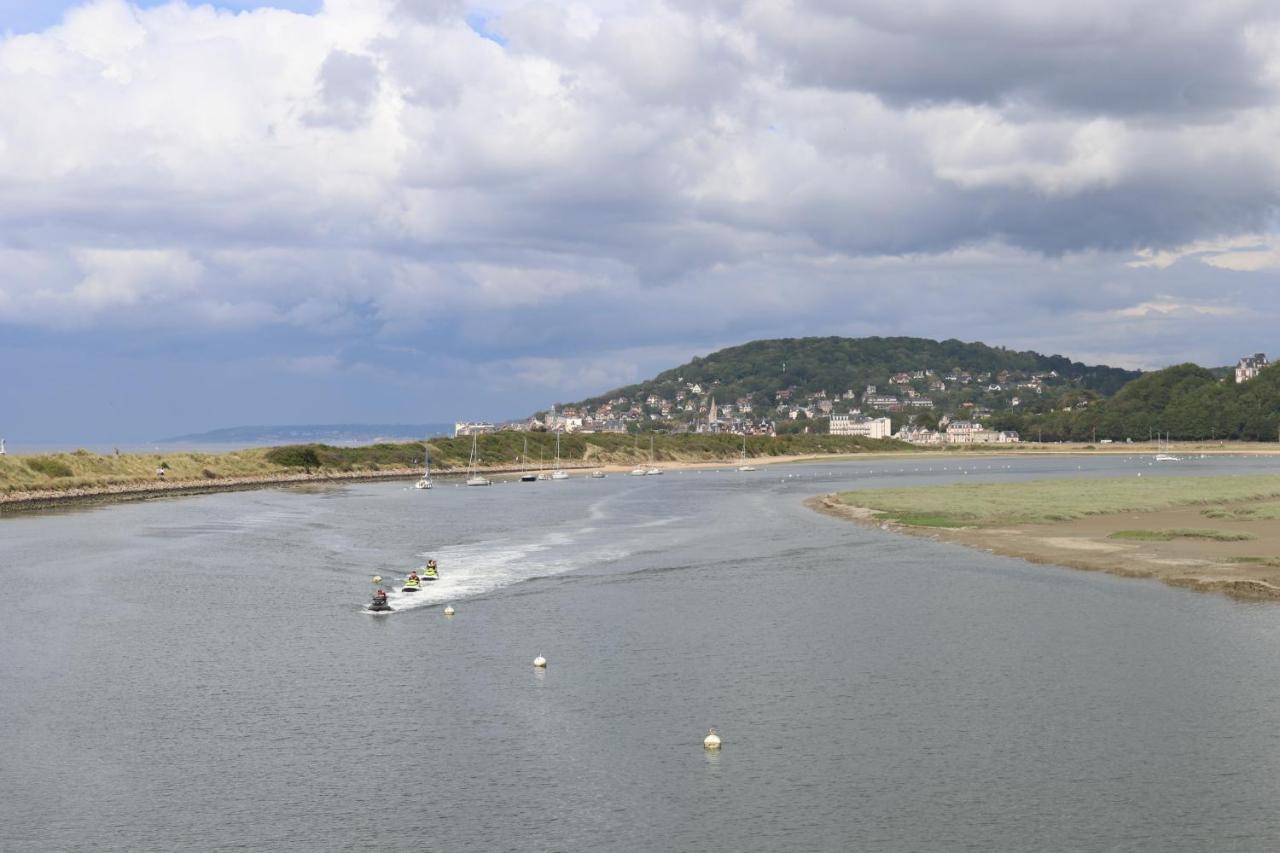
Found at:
<point>598,475</point>
<point>379,603</point>
<point>412,584</point>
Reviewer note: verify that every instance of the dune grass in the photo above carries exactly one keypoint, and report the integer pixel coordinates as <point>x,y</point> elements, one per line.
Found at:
<point>1040,501</point>
<point>83,469</point>
<point>1169,534</point>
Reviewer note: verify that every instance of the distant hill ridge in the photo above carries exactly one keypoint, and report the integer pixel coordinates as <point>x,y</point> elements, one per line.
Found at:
<point>305,433</point>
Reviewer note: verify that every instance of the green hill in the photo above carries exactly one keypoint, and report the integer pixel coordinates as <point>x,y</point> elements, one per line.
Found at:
<point>1185,401</point>
<point>949,373</point>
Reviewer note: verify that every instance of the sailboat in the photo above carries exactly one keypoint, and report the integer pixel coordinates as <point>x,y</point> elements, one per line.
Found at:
<point>425,482</point>
<point>639,470</point>
<point>651,470</point>
<point>542,475</point>
<point>744,466</point>
<point>528,476</point>
<point>558,474</point>
<point>1164,455</point>
<point>473,475</point>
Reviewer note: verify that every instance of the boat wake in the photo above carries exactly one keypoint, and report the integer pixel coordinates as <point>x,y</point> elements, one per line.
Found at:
<point>474,569</point>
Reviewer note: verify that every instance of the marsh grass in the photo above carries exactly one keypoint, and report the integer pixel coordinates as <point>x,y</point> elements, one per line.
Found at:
<point>1042,501</point>
<point>1272,562</point>
<point>1265,511</point>
<point>1170,534</point>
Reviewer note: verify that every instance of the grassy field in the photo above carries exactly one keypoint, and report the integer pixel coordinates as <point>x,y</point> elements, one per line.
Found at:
<point>1039,501</point>
<point>83,469</point>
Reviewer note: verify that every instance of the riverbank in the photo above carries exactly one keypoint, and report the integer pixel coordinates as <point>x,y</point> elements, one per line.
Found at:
<point>25,500</point>
<point>1220,534</point>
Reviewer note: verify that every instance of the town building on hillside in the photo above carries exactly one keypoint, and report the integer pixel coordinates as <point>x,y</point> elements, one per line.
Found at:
<point>969,432</point>
<point>857,425</point>
<point>918,435</point>
<point>1250,366</point>
<point>880,401</point>
<point>461,428</point>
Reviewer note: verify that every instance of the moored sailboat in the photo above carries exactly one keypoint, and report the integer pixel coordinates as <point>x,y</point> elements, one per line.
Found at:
<point>652,469</point>
<point>527,476</point>
<point>558,473</point>
<point>473,473</point>
<point>425,482</point>
<point>744,466</point>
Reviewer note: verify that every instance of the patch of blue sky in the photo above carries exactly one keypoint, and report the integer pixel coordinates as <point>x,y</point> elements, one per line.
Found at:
<point>479,24</point>
<point>31,16</point>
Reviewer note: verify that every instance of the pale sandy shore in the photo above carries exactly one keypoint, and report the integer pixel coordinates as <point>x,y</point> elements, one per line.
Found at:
<point>1247,569</point>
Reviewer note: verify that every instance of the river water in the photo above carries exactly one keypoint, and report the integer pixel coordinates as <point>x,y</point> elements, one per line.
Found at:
<point>199,674</point>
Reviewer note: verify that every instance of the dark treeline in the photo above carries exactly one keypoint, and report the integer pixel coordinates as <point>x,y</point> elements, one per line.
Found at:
<point>1186,401</point>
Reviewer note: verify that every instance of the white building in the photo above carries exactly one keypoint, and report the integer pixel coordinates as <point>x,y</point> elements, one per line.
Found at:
<point>1250,366</point>
<point>471,428</point>
<point>969,432</point>
<point>865,427</point>
<point>918,435</point>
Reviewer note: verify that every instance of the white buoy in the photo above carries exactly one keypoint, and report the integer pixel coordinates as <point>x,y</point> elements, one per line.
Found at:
<point>712,740</point>
<point>540,661</point>
<point>448,610</point>
<point>377,578</point>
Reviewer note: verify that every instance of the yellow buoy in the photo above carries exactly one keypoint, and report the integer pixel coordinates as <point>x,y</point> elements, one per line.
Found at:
<point>540,661</point>
<point>377,578</point>
<point>448,611</point>
<point>712,740</point>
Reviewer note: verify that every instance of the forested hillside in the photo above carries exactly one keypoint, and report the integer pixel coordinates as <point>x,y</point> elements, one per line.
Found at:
<point>761,368</point>
<point>1185,401</point>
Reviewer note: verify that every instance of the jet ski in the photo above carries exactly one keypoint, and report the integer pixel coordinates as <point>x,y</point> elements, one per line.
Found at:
<point>379,603</point>
<point>411,584</point>
<point>429,573</point>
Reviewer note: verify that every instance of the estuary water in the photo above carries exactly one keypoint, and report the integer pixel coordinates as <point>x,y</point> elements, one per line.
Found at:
<point>200,674</point>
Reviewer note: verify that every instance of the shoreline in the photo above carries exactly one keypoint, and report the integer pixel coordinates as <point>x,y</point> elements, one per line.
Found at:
<point>36,500</point>
<point>1230,567</point>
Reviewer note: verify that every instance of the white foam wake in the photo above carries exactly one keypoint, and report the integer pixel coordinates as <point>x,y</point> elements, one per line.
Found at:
<point>482,567</point>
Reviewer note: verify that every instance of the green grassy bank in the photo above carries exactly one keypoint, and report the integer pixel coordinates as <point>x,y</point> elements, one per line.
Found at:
<point>83,469</point>
<point>1039,501</point>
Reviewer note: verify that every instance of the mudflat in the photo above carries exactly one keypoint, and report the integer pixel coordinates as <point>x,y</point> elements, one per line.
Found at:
<point>1203,542</point>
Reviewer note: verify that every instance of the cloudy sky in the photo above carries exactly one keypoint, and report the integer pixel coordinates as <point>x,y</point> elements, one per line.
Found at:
<point>421,210</point>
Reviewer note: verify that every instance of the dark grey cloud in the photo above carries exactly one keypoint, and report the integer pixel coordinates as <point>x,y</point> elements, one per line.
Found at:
<point>1153,59</point>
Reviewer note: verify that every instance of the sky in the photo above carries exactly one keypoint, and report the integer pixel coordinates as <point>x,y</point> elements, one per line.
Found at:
<point>340,211</point>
